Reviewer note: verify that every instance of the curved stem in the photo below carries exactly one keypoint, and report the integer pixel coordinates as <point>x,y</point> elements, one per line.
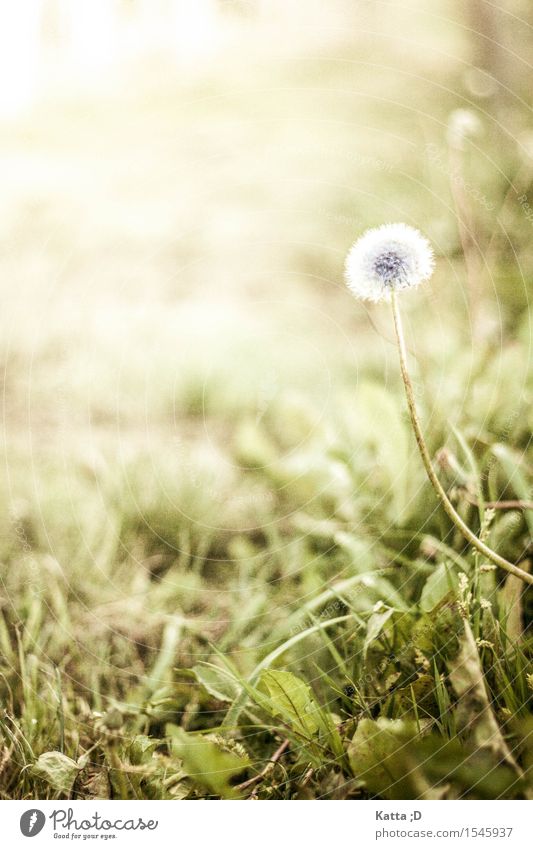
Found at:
<point>426,459</point>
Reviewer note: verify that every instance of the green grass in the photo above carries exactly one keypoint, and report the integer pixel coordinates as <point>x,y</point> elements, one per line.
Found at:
<point>218,544</point>
<point>176,599</point>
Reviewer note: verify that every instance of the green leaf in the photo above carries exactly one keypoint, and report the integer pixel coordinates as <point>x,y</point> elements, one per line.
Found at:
<point>206,763</point>
<point>239,704</point>
<point>291,698</point>
<point>57,770</point>
<point>374,627</point>
<point>372,755</point>
<point>440,583</point>
<point>217,681</point>
<point>464,770</point>
<point>141,749</point>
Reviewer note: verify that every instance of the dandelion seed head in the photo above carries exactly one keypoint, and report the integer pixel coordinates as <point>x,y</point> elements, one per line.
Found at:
<point>463,124</point>
<point>389,258</point>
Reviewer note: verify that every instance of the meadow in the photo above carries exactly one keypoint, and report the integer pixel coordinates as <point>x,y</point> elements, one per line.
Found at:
<point>224,572</point>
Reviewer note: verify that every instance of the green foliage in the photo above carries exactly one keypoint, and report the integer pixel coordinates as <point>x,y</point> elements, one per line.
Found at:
<point>57,771</point>
<point>217,681</point>
<point>207,763</point>
<point>378,758</point>
<point>394,761</point>
<point>290,698</point>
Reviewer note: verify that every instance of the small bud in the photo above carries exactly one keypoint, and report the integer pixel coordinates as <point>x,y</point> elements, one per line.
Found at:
<point>463,124</point>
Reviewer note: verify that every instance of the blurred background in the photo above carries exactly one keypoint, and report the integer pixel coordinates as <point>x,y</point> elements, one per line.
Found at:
<point>193,405</point>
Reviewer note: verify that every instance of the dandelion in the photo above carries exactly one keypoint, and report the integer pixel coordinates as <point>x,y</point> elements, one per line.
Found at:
<point>388,259</point>
<point>382,263</point>
<point>463,124</point>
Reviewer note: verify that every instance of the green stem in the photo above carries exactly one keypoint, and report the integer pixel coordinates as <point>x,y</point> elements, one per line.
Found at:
<point>426,459</point>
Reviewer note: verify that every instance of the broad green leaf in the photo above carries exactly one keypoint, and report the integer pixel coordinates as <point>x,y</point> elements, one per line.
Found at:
<point>440,583</point>
<point>291,698</point>
<point>57,770</point>
<point>239,704</point>
<point>391,759</point>
<point>455,768</point>
<point>378,758</point>
<point>206,763</point>
<point>141,749</point>
<point>217,681</point>
<point>374,627</point>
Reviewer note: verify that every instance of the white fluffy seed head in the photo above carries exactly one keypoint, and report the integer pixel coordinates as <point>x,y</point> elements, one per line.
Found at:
<point>389,258</point>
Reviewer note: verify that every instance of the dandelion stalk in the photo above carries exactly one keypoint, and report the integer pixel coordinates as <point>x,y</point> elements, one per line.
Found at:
<point>426,459</point>
<point>381,263</point>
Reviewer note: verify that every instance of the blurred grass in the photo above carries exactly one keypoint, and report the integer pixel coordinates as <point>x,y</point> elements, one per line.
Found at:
<point>205,439</point>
